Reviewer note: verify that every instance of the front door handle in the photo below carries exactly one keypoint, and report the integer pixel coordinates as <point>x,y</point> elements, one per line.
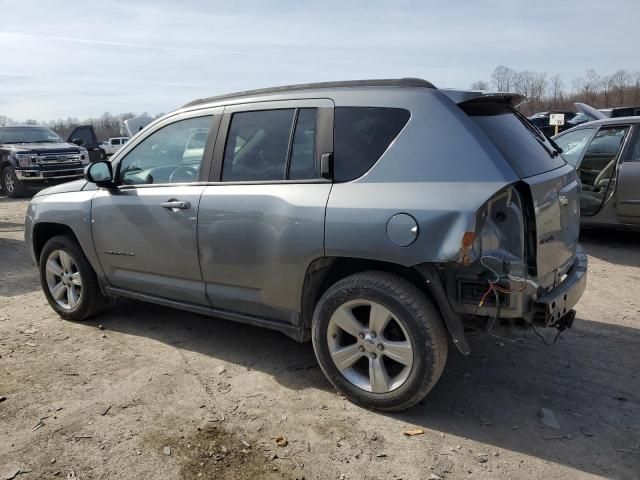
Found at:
<point>175,205</point>
<point>564,200</point>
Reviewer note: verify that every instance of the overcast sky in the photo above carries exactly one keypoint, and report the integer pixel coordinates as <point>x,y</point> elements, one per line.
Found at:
<point>66,58</point>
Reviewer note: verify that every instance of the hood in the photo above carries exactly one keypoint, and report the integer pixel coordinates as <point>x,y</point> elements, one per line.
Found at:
<point>135,124</point>
<point>42,147</point>
<point>590,111</point>
<point>75,186</point>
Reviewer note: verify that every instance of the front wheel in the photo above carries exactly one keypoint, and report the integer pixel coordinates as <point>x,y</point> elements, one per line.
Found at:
<point>10,183</point>
<point>379,340</point>
<point>68,280</point>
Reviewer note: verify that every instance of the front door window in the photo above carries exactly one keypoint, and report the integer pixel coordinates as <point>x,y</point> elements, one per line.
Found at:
<point>172,154</point>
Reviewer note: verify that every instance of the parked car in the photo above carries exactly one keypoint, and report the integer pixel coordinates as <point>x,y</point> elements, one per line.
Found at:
<point>621,112</point>
<point>331,212</point>
<point>606,154</point>
<point>541,120</point>
<point>85,136</point>
<point>34,157</point>
<point>112,145</point>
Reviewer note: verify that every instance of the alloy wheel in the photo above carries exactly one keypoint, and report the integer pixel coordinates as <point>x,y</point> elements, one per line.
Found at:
<point>8,182</point>
<point>63,279</point>
<point>370,346</point>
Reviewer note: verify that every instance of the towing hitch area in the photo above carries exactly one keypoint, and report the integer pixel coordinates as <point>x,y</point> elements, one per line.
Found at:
<point>565,321</point>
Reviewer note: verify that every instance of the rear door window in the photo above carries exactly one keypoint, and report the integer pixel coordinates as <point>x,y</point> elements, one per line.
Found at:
<point>362,135</point>
<point>257,145</point>
<point>303,150</point>
<point>523,145</point>
<point>260,145</point>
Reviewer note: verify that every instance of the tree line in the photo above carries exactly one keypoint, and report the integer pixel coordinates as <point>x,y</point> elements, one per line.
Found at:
<point>106,126</point>
<point>545,92</point>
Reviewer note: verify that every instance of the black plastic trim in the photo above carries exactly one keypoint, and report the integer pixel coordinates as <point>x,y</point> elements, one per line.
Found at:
<point>390,82</point>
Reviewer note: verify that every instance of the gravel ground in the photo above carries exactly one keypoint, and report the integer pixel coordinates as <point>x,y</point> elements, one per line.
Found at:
<point>148,392</point>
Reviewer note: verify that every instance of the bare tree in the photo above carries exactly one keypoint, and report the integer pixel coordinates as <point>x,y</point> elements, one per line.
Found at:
<point>606,84</point>
<point>590,85</point>
<point>555,90</point>
<point>502,78</point>
<point>620,81</point>
<point>636,89</point>
<point>480,85</point>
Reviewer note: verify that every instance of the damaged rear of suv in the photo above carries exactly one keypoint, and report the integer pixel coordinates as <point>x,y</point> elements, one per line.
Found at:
<point>378,218</point>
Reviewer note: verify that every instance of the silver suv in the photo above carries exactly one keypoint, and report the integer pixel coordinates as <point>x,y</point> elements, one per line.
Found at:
<point>377,218</point>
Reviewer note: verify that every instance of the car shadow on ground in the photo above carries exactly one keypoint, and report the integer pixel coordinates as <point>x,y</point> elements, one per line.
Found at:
<point>613,246</point>
<point>589,380</point>
<point>17,274</point>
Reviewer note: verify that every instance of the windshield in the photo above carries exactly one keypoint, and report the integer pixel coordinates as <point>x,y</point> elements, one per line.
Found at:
<point>28,135</point>
<point>579,118</point>
<point>573,144</point>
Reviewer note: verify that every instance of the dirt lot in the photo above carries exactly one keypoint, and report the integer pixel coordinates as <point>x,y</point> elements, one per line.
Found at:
<point>164,394</point>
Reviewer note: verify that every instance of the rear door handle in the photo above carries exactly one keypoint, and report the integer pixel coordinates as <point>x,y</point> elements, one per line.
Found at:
<point>175,205</point>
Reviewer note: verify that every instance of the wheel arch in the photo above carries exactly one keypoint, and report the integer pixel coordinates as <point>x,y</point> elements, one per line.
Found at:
<point>44,231</point>
<point>325,271</point>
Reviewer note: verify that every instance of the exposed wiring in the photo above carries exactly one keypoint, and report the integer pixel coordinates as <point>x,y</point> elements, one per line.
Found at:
<point>544,340</point>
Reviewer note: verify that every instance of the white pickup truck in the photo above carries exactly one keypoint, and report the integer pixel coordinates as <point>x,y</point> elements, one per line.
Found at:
<point>112,145</point>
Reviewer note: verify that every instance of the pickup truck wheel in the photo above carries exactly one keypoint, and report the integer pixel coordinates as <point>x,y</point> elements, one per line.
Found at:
<point>10,183</point>
<point>103,154</point>
<point>379,340</point>
<point>68,280</point>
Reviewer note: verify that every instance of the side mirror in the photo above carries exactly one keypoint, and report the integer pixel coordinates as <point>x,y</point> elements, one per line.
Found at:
<point>77,141</point>
<point>100,173</point>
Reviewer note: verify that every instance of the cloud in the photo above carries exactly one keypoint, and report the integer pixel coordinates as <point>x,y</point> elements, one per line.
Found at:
<point>81,59</point>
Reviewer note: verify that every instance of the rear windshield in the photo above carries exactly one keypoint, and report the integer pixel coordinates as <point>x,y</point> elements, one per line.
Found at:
<point>523,145</point>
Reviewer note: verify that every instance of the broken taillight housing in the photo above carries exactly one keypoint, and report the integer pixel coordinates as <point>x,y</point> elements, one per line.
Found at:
<point>500,229</point>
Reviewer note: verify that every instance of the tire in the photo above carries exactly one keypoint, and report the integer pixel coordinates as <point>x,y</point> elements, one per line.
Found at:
<point>411,318</point>
<point>10,184</point>
<point>87,299</point>
<point>103,154</point>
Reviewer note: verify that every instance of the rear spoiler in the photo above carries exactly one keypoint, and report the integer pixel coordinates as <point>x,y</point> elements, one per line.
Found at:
<point>478,97</point>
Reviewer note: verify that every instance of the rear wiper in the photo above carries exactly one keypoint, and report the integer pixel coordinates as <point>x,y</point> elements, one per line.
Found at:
<point>540,136</point>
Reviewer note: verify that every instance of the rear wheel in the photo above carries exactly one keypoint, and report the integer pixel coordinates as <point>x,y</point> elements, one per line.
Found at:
<point>379,340</point>
<point>10,183</point>
<point>68,280</point>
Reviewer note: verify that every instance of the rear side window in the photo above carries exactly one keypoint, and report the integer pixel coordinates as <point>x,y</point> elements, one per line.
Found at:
<point>522,145</point>
<point>361,136</point>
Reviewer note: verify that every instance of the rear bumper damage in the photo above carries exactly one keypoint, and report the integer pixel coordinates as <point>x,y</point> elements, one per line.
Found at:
<point>550,307</point>
<point>520,302</point>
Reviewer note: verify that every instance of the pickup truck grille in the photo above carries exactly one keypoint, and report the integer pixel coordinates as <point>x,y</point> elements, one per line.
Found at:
<point>60,166</point>
<point>57,158</point>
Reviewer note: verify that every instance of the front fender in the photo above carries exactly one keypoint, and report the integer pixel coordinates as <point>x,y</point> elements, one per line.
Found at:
<point>69,209</point>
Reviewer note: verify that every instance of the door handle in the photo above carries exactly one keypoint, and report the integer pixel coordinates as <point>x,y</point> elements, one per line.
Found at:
<point>564,201</point>
<point>175,205</point>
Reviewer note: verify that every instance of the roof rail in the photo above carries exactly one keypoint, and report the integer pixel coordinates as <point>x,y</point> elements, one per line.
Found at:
<point>389,82</point>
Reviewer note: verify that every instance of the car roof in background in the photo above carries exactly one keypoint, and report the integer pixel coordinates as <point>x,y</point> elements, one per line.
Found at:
<point>24,126</point>
<point>605,121</point>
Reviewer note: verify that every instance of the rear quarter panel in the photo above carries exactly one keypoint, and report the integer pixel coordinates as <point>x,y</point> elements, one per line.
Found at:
<point>440,169</point>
